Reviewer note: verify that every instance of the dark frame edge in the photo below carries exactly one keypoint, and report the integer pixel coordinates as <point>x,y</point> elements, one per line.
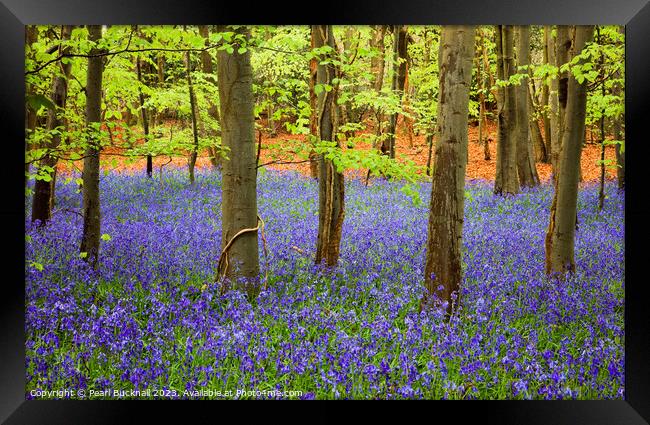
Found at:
<point>637,213</point>
<point>12,316</point>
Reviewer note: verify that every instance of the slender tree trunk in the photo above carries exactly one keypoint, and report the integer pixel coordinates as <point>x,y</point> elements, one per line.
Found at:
<point>545,97</point>
<point>331,196</point>
<point>552,140</point>
<point>43,189</point>
<point>239,187</point>
<point>601,192</point>
<point>562,54</point>
<point>536,133</point>
<point>90,176</point>
<point>145,120</point>
<point>313,104</point>
<point>525,160</point>
<point>481,102</point>
<point>506,181</point>
<point>560,236</point>
<point>195,134</point>
<point>400,41</point>
<point>213,107</point>
<point>488,71</point>
<point>377,62</point>
<point>143,111</point>
<point>429,141</point>
<point>443,270</point>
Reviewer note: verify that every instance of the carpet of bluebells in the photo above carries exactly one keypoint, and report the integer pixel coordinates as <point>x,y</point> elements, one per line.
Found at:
<point>152,316</point>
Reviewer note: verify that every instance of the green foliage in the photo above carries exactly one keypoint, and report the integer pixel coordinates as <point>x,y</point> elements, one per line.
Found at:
<point>280,58</point>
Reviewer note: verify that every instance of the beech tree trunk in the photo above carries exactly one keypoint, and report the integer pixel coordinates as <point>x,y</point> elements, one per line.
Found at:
<point>535,132</point>
<point>377,63</point>
<point>560,236</point>
<point>552,144</point>
<point>43,189</point>
<point>90,175</point>
<point>481,102</point>
<point>562,55</point>
<point>239,185</point>
<point>145,118</point>
<point>546,99</point>
<point>195,149</point>
<point>331,196</point>
<point>443,270</point>
<point>507,180</point>
<point>495,93</point>
<point>400,43</point>
<point>525,159</point>
<point>213,107</point>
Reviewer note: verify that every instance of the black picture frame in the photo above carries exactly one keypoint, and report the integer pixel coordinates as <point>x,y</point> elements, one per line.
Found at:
<point>635,14</point>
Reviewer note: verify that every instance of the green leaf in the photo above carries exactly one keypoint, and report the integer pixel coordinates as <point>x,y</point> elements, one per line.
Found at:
<point>37,266</point>
<point>106,237</point>
<point>83,254</point>
<point>242,50</point>
<point>37,101</point>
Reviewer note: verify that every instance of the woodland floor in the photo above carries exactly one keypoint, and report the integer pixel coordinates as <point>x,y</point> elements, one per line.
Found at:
<point>477,166</point>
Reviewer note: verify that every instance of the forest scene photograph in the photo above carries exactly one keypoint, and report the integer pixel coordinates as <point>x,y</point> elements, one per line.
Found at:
<point>324,212</point>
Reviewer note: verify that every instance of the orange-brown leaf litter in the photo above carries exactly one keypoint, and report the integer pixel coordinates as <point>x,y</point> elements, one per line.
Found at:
<point>414,148</point>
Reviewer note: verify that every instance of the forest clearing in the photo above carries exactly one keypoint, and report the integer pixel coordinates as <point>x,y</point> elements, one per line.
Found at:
<point>325,212</point>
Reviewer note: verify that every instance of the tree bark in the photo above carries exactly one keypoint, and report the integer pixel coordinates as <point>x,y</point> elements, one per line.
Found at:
<point>545,99</point>
<point>239,186</point>
<point>601,191</point>
<point>552,140</point>
<point>331,196</point>
<point>44,190</point>
<point>377,63</point>
<point>560,236</point>
<point>525,159</point>
<point>443,270</point>
<point>397,84</point>
<point>213,107</point>
<point>536,133</point>
<point>195,135</point>
<point>562,55</point>
<point>145,118</point>
<point>90,176</point>
<point>507,180</point>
